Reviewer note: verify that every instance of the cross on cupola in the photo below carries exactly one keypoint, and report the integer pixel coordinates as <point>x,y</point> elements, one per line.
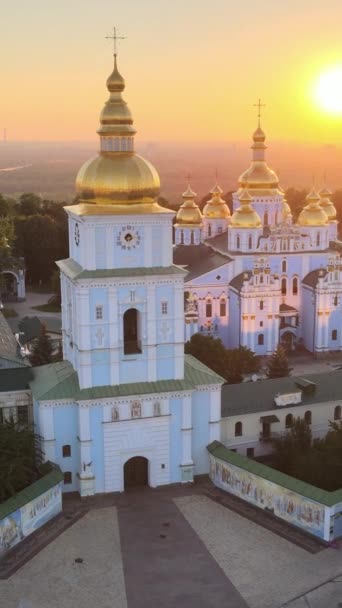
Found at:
<point>115,38</point>
<point>259,105</point>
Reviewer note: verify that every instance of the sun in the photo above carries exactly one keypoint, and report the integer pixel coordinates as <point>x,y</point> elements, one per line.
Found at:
<point>328,90</point>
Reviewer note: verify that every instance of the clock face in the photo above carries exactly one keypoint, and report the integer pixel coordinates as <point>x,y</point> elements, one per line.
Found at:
<point>77,234</point>
<point>128,238</point>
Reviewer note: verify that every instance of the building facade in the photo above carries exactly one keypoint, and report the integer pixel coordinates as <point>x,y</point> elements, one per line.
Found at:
<point>255,277</point>
<point>126,405</point>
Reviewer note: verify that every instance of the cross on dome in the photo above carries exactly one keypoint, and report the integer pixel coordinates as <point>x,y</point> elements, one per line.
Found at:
<point>259,105</point>
<point>115,38</point>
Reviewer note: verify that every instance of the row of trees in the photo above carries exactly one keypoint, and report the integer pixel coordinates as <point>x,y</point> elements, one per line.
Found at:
<point>316,461</point>
<point>39,234</point>
<point>233,364</point>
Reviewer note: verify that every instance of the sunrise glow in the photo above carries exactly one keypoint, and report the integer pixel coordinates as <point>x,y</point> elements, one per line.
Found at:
<point>328,90</point>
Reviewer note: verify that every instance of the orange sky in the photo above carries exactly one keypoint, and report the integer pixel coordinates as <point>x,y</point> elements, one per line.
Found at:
<point>193,68</point>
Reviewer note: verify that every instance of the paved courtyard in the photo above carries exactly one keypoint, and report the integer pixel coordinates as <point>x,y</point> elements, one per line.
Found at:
<point>170,549</point>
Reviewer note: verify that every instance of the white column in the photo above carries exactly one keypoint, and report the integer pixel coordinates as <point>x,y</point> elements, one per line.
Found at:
<point>113,320</point>
<point>186,432</point>
<point>87,478</point>
<point>47,432</point>
<point>215,416</point>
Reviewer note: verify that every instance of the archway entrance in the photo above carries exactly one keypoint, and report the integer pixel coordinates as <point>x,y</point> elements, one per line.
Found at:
<point>131,332</point>
<point>288,341</point>
<point>136,472</point>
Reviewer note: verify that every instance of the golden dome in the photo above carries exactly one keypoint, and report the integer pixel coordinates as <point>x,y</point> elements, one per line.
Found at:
<point>245,216</point>
<point>216,207</point>
<point>327,204</point>
<point>189,213</point>
<point>258,176</point>
<point>312,214</point>
<point>286,209</point>
<point>117,175</point>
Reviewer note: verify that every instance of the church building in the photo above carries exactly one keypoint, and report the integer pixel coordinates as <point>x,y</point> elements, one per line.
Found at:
<point>125,405</point>
<point>256,278</point>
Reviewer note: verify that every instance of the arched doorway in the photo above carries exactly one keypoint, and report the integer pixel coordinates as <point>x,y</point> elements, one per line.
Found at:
<point>131,332</point>
<point>136,472</point>
<point>288,341</point>
<point>9,286</point>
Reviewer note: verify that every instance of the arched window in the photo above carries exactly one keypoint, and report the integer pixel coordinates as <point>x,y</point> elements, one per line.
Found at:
<point>318,239</point>
<point>283,287</point>
<point>66,451</point>
<point>209,230</point>
<point>337,412</point>
<point>250,242</point>
<point>261,305</point>
<point>238,429</point>
<point>284,266</point>
<point>288,421</point>
<point>335,301</point>
<point>191,238</point>
<point>260,339</point>
<point>237,242</point>
<point>209,309</point>
<point>222,308</point>
<point>295,286</point>
<point>182,237</point>
<point>308,417</point>
<point>131,332</point>
<point>265,218</point>
<point>334,334</point>
<point>67,477</point>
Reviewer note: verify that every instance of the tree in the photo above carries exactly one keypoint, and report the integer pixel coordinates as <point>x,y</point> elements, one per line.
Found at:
<point>240,361</point>
<point>29,204</point>
<point>278,365</point>
<point>20,458</point>
<point>42,350</point>
<point>230,364</point>
<point>5,206</point>
<point>290,445</point>
<point>209,350</point>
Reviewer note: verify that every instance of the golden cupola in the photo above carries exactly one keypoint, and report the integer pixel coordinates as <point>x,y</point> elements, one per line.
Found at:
<point>117,175</point>
<point>216,207</point>
<point>189,213</point>
<point>259,178</point>
<point>327,204</point>
<point>313,214</point>
<point>245,216</point>
<point>286,209</point>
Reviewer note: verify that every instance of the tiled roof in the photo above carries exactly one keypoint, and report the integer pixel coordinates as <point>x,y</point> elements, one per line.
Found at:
<point>15,379</point>
<point>252,397</point>
<point>60,381</point>
<point>291,483</point>
<point>198,259</point>
<point>52,478</point>
<point>8,344</point>
<point>74,271</point>
<point>237,282</point>
<point>311,279</point>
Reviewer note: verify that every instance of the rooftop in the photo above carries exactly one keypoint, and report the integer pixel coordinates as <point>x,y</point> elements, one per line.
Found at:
<point>73,270</point>
<point>254,397</point>
<point>198,259</point>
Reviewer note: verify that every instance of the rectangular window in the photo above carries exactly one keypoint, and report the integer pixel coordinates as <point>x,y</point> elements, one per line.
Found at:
<point>222,308</point>
<point>208,309</point>
<point>164,308</point>
<point>99,312</point>
<point>67,477</point>
<point>261,305</point>
<point>219,230</point>
<point>334,334</point>
<point>250,452</point>
<point>22,413</point>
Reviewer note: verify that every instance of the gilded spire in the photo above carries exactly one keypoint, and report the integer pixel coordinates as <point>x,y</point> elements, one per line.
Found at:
<point>327,204</point>
<point>216,207</point>
<point>245,216</point>
<point>189,212</point>
<point>313,214</point>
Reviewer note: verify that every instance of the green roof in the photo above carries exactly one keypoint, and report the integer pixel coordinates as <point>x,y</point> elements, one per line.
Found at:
<point>218,450</point>
<point>74,271</point>
<point>33,491</point>
<point>60,381</point>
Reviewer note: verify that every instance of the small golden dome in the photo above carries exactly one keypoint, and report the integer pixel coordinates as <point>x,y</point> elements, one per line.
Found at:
<point>245,216</point>
<point>286,209</point>
<point>216,207</point>
<point>117,175</point>
<point>312,214</point>
<point>258,176</point>
<point>189,213</point>
<point>327,204</point>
